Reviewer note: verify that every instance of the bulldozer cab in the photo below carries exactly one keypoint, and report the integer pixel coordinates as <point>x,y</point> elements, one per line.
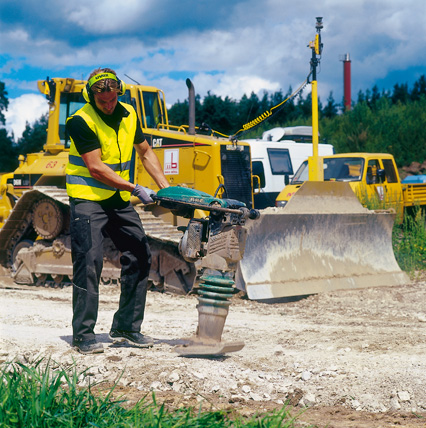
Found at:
<point>70,102</point>
<point>206,162</point>
<point>65,98</point>
<point>47,168</point>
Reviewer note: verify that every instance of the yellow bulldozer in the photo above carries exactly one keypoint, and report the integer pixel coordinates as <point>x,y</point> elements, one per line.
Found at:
<point>35,242</point>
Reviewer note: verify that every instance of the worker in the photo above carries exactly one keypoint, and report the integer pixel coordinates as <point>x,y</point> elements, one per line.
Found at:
<point>103,134</point>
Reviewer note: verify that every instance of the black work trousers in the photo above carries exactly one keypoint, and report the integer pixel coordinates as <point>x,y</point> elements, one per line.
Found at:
<point>89,222</point>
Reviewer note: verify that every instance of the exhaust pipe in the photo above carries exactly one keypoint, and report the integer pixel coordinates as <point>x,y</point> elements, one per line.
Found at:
<point>191,100</point>
<point>346,81</point>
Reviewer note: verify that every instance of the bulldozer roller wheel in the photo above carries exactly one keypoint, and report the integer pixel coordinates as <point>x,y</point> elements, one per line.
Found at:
<point>48,219</point>
<point>25,243</point>
<point>58,248</point>
<point>57,279</point>
<point>41,280</point>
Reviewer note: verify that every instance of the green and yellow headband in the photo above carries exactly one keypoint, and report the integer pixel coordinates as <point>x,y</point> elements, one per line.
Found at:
<point>101,76</point>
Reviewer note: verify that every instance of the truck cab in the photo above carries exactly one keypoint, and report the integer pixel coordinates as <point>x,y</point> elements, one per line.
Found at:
<point>372,176</point>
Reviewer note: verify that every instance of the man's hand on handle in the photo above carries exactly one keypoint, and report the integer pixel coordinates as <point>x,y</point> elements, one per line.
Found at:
<point>143,193</point>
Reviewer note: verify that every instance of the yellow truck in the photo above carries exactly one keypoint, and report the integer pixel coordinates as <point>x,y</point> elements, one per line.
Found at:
<point>373,177</point>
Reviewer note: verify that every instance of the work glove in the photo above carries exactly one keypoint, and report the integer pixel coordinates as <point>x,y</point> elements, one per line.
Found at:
<point>143,193</point>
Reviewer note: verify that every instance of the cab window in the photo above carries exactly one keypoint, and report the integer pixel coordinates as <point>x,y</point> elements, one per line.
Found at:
<point>152,108</point>
<point>391,176</point>
<point>70,103</point>
<point>372,167</point>
<point>343,169</point>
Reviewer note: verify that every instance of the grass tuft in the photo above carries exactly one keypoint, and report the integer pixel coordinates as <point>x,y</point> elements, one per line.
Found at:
<point>39,395</point>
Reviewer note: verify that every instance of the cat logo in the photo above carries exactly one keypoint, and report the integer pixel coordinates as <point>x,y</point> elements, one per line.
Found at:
<point>157,142</point>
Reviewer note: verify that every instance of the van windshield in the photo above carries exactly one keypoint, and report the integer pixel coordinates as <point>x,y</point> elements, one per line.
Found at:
<point>335,169</point>
<point>302,174</point>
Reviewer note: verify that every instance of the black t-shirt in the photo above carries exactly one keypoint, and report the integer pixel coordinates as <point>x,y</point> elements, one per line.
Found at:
<point>85,139</point>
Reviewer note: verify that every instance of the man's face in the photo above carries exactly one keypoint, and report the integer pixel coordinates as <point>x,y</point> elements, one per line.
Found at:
<point>106,101</point>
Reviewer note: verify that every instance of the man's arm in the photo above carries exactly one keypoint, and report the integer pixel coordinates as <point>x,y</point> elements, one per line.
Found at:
<point>103,173</point>
<point>151,164</point>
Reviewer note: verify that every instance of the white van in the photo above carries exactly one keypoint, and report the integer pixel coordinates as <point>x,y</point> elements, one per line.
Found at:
<point>275,159</point>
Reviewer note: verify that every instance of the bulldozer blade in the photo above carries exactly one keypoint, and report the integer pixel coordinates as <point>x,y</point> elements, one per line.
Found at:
<point>323,240</point>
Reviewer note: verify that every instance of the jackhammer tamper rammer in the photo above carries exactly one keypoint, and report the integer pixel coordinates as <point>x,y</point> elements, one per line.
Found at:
<point>215,244</point>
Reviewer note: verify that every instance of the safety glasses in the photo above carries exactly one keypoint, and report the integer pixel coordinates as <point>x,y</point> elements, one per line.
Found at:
<point>106,85</point>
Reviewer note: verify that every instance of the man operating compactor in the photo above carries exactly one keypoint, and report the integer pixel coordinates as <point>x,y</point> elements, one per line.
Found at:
<point>103,134</point>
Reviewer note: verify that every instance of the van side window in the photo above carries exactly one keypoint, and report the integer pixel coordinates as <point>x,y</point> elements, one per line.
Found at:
<point>280,161</point>
<point>390,172</point>
<point>257,168</point>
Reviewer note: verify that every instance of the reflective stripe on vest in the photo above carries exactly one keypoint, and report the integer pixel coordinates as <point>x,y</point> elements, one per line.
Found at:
<point>116,153</point>
<point>78,161</point>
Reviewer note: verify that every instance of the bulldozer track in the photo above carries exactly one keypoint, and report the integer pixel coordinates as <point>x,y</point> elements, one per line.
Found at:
<point>157,229</point>
<point>169,271</point>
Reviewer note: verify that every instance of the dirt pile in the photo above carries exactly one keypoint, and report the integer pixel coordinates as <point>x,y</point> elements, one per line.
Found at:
<point>415,168</point>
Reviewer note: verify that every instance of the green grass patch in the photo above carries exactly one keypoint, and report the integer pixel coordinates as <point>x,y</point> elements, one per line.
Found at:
<point>38,395</point>
<point>409,241</point>
<point>408,234</point>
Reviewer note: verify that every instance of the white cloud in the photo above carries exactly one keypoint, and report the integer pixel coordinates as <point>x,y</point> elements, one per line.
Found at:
<point>247,46</point>
<point>234,86</point>
<point>26,108</point>
<point>107,16</point>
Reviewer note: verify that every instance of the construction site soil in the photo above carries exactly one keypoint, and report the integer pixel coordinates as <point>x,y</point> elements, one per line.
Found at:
<point>352,358</point>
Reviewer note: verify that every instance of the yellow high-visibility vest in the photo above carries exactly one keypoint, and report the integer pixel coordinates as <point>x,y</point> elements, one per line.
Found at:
<point>116,152</point>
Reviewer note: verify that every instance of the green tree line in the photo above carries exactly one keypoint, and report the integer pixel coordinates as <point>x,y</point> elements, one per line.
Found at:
<point>391,121</point>
<point>32,140</point>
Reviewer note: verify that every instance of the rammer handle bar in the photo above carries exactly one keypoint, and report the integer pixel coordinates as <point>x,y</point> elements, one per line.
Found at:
<point>252,214</point>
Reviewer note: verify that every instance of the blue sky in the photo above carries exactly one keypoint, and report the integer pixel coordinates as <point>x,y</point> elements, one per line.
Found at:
<point>227,47</point>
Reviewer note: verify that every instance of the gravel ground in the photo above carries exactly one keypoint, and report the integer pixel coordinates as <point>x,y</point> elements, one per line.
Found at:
<point>352,358</point>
